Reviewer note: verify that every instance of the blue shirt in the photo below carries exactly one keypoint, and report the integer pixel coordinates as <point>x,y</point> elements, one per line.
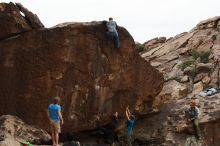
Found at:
<point>53,109</point>
<point>130,125</point>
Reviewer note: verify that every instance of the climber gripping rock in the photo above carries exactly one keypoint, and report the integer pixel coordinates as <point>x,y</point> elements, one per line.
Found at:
<point>112,33</point>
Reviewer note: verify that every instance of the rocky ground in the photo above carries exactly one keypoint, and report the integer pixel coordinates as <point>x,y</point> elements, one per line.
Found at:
<point>13,130</point>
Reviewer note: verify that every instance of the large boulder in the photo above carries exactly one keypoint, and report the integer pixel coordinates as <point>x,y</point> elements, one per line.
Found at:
<point>76,62</point>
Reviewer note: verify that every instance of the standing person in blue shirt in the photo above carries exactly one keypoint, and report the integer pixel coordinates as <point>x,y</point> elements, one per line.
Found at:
<point>112,31</point>
<point>130,125</point>
<point>56,118</point>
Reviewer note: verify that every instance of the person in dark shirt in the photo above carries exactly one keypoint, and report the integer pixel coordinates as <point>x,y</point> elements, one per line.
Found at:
<point>108,131</point>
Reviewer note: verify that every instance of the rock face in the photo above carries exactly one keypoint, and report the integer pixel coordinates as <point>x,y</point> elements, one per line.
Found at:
<point>76,62</point>
<point>193,55</point>
<point>13,130</point>
<point>190,63</point>
<point>12,22</point>
<point>153,43</point>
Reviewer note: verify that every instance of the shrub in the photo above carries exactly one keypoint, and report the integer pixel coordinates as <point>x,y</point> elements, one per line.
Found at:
<point>186,63</point>
<point>194,72</point>
<point>203,55</point>
<point>140,47</point>
<point>214,37</point>
<point>195,54</point>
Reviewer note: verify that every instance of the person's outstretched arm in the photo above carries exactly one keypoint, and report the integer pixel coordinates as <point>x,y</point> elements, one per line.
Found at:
<point>127,113</point>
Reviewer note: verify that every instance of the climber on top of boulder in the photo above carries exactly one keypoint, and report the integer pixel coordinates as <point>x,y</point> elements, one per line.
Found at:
<point>112,33</point>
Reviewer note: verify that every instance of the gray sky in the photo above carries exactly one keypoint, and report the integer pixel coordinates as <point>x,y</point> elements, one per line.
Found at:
<point>144,19</point>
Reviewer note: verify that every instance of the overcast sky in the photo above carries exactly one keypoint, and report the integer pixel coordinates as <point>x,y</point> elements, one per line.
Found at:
<point>144,19</point>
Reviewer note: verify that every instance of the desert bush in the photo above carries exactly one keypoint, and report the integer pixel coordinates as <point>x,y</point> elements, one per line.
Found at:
<point>186,63</point>
<point>214,37</point>
<point>203,55</point>
<point>140,47</point>
<point>194,72</point>
<point>195,54</point>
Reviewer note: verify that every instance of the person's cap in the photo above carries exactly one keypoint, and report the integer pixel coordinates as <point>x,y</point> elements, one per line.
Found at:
<point>110,18</point>
<point>193,103</point>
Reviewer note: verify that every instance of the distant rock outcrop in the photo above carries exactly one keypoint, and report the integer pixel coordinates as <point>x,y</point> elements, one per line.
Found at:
<point>153,43</point>
<point>190,63</point>
<point>195,54</point>
<point>73,61</point>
